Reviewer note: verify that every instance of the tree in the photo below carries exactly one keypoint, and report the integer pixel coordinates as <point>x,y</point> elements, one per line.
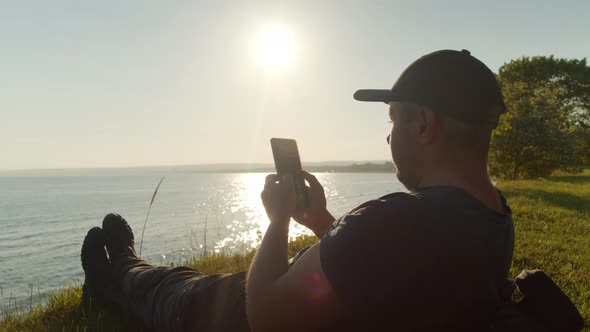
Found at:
<point>547,120</point>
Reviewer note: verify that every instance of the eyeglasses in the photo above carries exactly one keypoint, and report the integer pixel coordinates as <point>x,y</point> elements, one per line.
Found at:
<point>388,138</point>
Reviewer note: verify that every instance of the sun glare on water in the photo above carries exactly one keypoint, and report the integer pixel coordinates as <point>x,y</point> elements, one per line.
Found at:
<point>249,218</point>
<point>275,47</point>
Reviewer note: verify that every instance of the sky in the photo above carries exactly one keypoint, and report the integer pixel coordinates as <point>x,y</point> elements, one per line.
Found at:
<point>135,83</point>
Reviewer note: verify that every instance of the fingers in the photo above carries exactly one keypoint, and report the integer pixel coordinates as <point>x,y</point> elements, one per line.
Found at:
<point>274,178</point>
<point>278,197</point>
<point>271,178</point>
<point>313,181</point>
<point>278,181</point>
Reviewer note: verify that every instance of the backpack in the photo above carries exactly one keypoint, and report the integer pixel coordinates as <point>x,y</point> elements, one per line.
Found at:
<point>544,307</point>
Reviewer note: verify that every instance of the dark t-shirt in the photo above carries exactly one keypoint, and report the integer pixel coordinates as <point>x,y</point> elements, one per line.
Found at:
<point>431,260</point>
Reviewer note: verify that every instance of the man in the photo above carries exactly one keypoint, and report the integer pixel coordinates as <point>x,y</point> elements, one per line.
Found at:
<point>433,259</point>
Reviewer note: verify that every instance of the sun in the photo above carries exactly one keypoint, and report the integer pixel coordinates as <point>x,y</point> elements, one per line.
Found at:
<point>275,47</point>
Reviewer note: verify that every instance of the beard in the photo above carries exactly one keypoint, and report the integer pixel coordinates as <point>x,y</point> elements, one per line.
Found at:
<point>405,180</point>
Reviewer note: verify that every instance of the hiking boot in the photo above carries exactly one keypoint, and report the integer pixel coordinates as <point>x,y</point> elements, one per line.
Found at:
<point>118,237</point>
<point>96,266</point>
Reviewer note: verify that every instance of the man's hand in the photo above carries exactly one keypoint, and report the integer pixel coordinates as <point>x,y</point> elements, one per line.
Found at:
<point>278,198</point>
<point>316,217</point>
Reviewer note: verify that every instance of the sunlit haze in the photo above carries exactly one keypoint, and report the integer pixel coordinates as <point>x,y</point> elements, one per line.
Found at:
<point>132,83</point>
<point>275,47</point>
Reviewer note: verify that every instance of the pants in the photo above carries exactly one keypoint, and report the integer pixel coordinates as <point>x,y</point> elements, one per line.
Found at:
<point>180,298</point>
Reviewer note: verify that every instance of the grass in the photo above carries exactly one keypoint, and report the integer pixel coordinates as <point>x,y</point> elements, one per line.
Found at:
<point>63,311</point>
<point>552,221</point>
<point>552,218</point>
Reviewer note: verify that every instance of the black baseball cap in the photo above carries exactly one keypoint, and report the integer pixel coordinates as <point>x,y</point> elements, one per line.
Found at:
<point>450,82</point>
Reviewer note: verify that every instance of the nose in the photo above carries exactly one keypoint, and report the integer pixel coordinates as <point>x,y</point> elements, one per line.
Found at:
<point>387,138</point>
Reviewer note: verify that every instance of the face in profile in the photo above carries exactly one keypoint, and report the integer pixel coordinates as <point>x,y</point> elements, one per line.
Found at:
<point>402,145</point>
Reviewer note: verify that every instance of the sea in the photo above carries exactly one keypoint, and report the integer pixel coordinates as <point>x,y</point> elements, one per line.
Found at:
<point>44,218</point>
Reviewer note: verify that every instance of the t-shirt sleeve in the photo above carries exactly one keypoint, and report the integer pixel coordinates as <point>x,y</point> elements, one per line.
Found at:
<point>362,251</point>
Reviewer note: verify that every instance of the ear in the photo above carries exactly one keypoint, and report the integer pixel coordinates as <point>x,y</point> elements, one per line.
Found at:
<point>426,125</point>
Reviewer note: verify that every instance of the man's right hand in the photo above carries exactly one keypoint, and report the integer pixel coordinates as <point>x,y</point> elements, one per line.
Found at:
<point>316,217</point>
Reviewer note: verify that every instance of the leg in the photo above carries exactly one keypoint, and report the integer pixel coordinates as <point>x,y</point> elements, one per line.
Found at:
<point>171,299</point>
<point>154,294</point>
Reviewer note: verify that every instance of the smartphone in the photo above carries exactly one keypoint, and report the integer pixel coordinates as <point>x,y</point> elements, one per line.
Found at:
<point>287,162</point>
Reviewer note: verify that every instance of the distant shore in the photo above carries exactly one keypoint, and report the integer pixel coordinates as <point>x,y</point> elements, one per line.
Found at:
<point>386,167</point>
<point>316,167</point>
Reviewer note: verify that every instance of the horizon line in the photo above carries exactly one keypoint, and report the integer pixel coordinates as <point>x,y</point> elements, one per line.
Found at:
<point>181,165</point>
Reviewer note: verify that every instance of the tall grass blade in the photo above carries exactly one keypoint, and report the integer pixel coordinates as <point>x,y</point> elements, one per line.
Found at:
<point>148,213</point>
<point>205,236</point>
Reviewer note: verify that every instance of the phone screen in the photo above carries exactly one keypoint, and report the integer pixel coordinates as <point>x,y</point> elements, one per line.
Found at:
<point>287,162</point>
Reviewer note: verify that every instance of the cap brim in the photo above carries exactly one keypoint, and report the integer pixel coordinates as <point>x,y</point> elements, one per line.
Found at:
<point>384,96</point>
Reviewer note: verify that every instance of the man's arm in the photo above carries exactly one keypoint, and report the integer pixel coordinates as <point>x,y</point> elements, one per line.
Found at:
<point>278,297</point>
<point>300,299</point>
